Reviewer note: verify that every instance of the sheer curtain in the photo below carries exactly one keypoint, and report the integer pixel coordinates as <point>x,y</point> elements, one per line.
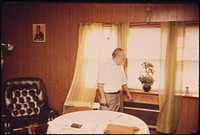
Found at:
<point>95,45</point>
<point>79,94</point>
<point>172,52</point>
<point>122,37</point>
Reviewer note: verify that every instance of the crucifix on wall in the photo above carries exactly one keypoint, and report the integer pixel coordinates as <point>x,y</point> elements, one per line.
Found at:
<point>148,11</point>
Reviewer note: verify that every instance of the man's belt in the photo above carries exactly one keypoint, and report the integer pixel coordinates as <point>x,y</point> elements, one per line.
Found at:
<point>113,92</point>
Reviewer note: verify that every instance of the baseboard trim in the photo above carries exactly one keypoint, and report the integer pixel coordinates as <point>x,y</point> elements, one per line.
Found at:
<point>142,109</point>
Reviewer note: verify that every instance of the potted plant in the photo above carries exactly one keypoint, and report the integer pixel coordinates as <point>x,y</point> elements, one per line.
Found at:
<point>146,76</point>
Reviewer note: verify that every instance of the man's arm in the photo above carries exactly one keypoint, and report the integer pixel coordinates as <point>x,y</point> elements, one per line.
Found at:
<point>125,87</point>
<point>102,99</point>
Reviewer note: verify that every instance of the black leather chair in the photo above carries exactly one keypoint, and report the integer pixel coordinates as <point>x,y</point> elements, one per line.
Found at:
<point>24,102</point>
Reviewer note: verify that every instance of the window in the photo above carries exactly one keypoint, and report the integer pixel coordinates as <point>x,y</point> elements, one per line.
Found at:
<point>143,45</point>
<point>99,44</point>
<point>191,60</point>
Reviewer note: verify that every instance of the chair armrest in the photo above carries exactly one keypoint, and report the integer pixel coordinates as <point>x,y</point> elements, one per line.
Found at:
<point>5,124</point>
<point>52,114</point>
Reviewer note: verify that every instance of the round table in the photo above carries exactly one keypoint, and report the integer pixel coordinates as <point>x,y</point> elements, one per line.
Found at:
<point>94,122</point>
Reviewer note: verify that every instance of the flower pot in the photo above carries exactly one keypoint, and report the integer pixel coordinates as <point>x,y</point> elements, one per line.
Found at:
<point>146,87</point>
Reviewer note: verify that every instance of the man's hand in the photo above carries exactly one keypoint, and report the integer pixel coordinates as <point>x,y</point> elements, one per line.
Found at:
<point>127,92</point>
<point>130,97</point>
<point>103,101</point>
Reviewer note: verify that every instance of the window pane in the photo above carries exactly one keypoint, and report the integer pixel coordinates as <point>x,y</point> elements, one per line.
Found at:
<point>143,45</point>
<point>191,44</point>
<point>99,44</point>
<point>134,68</point>
<point>191,76</point>
<point>191,60</point>
<point>91,72</point>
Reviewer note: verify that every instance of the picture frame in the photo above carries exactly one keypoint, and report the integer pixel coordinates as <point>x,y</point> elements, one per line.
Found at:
<point>39,32</point>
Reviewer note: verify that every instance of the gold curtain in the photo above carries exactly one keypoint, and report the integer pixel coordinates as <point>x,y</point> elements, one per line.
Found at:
<point>122,36</point>
<point>172,49</point>
<point>80,94</point>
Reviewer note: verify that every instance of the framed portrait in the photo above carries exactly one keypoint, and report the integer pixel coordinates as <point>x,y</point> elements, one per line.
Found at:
<point>39,33</point>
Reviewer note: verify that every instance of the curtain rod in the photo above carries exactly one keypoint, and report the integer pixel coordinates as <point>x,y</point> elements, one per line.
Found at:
<point>158,23</point>
<point>131,24</point>
<point>147,23</point>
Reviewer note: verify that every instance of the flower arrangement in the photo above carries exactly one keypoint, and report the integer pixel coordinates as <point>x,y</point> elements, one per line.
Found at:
<point>146,77</point>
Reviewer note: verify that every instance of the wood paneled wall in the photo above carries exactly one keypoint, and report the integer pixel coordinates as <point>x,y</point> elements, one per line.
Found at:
<point>54,60</point>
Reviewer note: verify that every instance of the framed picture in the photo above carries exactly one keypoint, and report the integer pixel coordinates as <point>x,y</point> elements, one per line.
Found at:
<point>39,33</point>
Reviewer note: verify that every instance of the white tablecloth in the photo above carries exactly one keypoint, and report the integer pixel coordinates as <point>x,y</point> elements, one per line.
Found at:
<point>93,122</point>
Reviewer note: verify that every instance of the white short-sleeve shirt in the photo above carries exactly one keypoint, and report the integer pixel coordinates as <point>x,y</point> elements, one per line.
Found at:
<point>112,76</point>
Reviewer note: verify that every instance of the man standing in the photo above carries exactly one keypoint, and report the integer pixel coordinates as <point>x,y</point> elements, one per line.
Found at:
<point>111,80</point>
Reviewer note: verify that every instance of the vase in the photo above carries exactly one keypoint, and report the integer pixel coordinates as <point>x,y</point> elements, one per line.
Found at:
<point>146,87</point>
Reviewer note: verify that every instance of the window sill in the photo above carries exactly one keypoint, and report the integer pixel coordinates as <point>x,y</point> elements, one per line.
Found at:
<point>156,92</point>
<point>140,91</point>
<point>189,96</point>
